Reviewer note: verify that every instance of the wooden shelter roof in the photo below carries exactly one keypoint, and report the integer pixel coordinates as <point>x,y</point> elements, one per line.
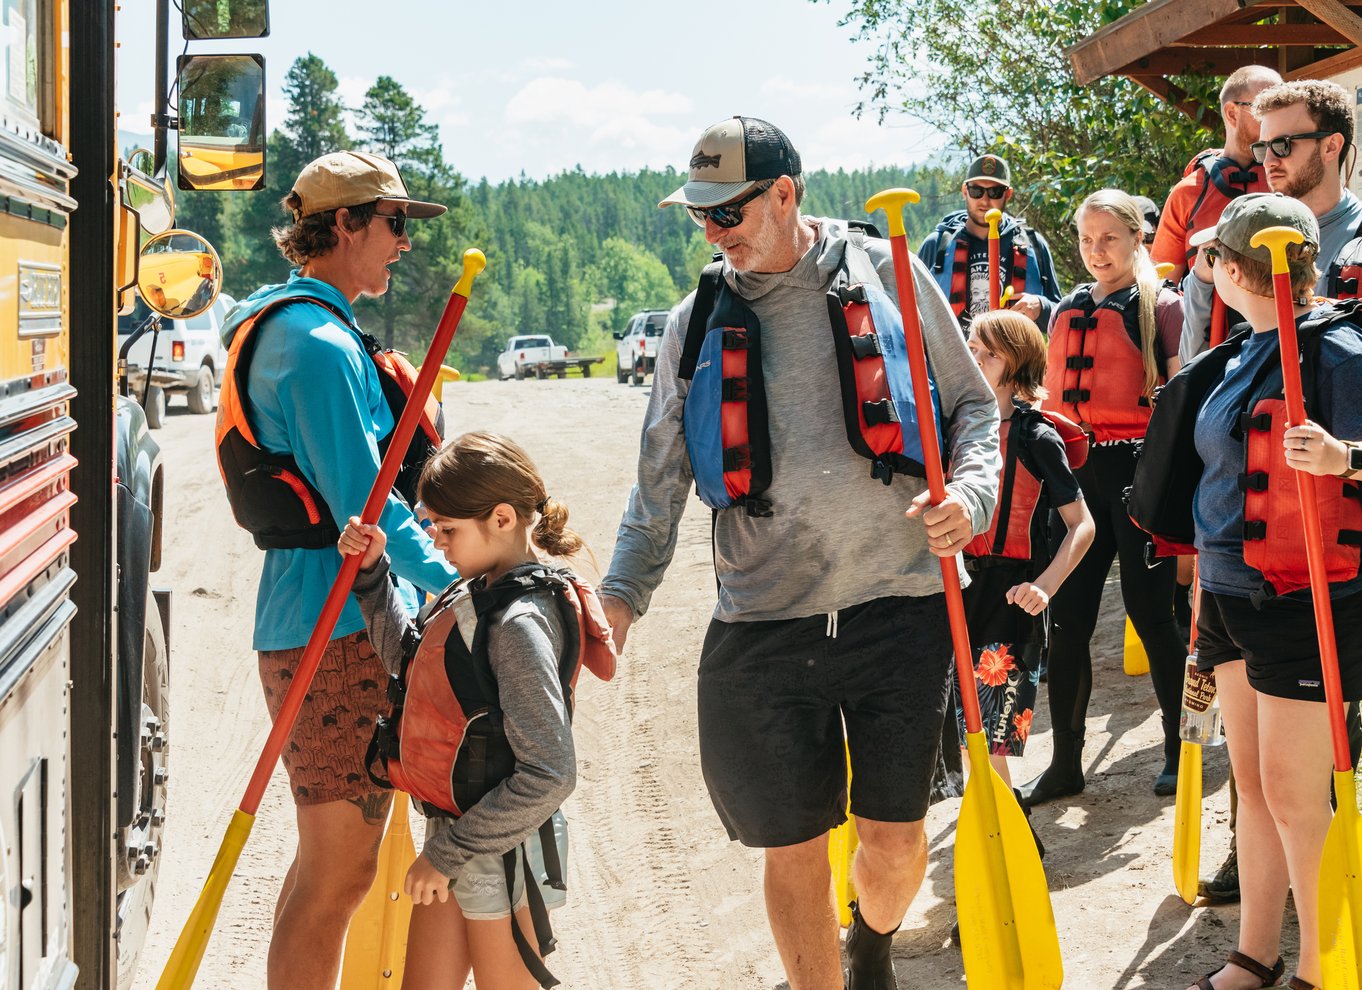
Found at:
<point>1301,39</point>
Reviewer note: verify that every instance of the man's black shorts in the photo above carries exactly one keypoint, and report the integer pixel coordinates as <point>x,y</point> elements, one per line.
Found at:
<point>1279,643</point>
<point>772,700</point>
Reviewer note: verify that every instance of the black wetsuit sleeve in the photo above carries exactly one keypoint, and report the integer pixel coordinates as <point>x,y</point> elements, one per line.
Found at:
<point>1043,455</point>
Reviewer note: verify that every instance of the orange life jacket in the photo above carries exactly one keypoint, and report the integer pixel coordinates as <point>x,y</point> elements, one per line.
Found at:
<point>1009,534</point>
<point>269,495</point>
<point>1095,373</point>
<point>445,741</point>
<point>959,294</point>
<point>1222,179</point>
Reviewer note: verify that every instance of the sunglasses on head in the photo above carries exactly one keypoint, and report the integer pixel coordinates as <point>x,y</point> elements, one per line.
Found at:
<point>397,221</point>
<point>727,215</point>
<point>1281,146</point>
<point>979,192</point>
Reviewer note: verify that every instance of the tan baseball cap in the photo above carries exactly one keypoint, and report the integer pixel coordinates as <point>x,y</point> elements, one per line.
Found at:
<point>731,157</point>
<point>352,178</point>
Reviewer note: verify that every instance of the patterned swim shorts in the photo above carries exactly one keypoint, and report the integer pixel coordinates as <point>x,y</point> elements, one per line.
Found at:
<point>324,755</point>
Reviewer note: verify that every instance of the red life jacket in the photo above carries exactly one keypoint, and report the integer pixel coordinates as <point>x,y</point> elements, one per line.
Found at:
<point>269,495</point>
<point>1095,374</point>
<point>1009,534</point>
<point>1274,534</point>
<point>1222,179</point>
<point>959,294</point>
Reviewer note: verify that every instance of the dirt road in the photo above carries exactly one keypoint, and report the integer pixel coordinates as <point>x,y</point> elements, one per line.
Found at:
<point>659,897</point>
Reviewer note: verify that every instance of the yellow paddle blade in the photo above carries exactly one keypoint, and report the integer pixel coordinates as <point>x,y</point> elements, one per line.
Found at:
<point>376,943</point>
<point>1340,891</point>
<point>1136,660</point>
<point>183,964</point>
<point>1187,823</point>
<point>842,843</point>
<point>1007,926</point>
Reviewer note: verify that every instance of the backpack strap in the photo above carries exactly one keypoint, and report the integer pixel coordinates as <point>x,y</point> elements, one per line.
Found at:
<point>705,294</point>
<point>539,915</point>
<point>945,233</point>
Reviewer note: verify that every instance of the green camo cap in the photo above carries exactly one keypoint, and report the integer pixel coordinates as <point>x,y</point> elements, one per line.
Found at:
<point>1244,216</point>
<point>989,168</point>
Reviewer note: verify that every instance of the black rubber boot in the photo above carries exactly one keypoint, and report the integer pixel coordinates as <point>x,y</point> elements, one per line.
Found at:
<point>1062,778</point>
<point>871,967</point>
<point>1040,846</point>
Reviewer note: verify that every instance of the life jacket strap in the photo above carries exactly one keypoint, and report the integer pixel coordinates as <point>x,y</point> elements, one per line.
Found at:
<point>1077,395</point>
<point>1262,422</point>
<point>735,339</point>
<point>866,345</point>
<point>734,390</point>
<point>1083,322</point>
<point>1255,529</point>
<point>879,413</point>
<point>738,458</point>
<point>539,917</point>
<point>1078,362</point>
<point>1253,481</point>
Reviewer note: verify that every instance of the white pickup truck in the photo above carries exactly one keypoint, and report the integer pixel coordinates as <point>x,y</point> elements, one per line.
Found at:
<point>537,356</point>
<point>637,345</point>
<point>189,359</point>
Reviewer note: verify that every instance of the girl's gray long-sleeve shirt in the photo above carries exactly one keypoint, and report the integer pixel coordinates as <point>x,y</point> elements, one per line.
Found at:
<point>523,645</point>
<point>837,537</point>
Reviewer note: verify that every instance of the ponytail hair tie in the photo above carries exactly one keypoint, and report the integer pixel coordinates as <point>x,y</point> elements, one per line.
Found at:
<point>539,507</point>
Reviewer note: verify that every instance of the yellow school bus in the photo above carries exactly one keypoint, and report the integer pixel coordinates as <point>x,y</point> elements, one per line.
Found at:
<point>84,659</point>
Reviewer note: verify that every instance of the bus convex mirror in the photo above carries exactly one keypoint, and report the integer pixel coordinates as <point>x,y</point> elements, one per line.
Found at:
<point>153,200</point>
<point>178,274</point>
<point>222,122</point>
<point>205,20</point>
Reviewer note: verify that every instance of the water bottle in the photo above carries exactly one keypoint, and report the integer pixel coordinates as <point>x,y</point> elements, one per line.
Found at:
<point>1200,720</point>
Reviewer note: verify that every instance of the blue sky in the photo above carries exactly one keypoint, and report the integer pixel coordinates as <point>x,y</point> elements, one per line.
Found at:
<point>541,87</point>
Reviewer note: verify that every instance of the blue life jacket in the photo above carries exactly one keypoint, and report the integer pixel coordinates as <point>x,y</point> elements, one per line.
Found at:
<point>725,413</point>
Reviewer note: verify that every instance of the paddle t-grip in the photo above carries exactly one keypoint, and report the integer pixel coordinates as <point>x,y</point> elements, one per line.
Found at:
<point>892,201</point>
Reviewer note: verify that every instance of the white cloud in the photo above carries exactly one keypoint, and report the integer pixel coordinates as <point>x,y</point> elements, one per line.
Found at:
<point>546,63</point>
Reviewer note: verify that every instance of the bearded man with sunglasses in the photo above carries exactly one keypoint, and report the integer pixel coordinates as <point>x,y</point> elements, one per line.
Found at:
<point>831,623</point>
<point>957,251</point>
<point>300,428</point>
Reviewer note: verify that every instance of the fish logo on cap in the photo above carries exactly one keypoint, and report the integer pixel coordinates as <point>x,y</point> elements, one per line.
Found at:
<point>705,161</point>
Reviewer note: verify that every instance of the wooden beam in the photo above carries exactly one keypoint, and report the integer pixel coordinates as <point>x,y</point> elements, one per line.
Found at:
<point>1336,15</point>
<point>1198,61</point>
<point>1263,36</point>
<point>1197,111</point>
<point>1144,31</point>
<point>1325,68</point>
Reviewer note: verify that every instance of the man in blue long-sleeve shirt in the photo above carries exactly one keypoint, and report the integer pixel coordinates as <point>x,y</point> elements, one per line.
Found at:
<point>312,399</point>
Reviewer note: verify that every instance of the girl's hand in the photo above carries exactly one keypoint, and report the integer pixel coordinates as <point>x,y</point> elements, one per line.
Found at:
<point>360,538</point>
<point>425,884</point>
<point>1310,448</point>
<point>948,524</point>
<point>1030,598</point>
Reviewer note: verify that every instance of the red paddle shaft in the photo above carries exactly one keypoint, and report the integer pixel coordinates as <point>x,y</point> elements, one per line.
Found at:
<point>1314,534</point>
<point>936,478</point>
<point>373,507</point>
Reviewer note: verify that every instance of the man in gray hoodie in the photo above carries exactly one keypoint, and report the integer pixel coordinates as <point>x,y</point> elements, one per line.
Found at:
<point>831,622</point>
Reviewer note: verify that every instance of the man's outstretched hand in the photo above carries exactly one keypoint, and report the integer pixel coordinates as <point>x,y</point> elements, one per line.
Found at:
<point>620,616</point>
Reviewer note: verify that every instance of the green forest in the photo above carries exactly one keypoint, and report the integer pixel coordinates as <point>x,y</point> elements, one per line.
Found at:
<point>574,255</point>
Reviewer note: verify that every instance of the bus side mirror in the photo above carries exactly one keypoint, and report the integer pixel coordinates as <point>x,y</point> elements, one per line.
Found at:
<point>152,199</point>
<point>179,274</point>
<point>221,122</point>
<point>206,20</point>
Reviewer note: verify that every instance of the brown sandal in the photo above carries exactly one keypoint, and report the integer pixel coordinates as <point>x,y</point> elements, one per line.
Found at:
<point>1269,977</point>
<point>1296,983</point>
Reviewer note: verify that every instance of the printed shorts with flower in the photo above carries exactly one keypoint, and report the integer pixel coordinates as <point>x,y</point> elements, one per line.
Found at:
<point>1007,645</point>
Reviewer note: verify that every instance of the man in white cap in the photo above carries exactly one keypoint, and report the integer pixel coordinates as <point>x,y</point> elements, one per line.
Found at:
<point>831,623</point>
<point>301,427</point>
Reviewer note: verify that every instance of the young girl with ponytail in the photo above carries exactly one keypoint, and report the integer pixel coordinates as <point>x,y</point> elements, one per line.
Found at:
<point>489,513</point>
<point>1113,341</point>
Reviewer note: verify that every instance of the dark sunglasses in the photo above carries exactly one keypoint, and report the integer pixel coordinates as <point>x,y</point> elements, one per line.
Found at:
<point>1212,255</point>
<point>397,221</point>
<point>979,192</point>
<point>727,215</point>
<point>1281,146</point>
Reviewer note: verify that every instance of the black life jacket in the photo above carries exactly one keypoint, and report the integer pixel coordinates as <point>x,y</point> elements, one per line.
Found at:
<point>1019,488</point>
<point>725,413</point>
<point>1222,179</point>
<point>1169,468</point>
<point>445,743</point>
<point>1095,372</point>
<point>1345,271</point>
<point>269,495</point>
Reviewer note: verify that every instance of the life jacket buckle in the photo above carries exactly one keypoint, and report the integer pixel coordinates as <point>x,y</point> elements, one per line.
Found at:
<point>1255,529</point>
<point>735,339</point>
<point>879,413</point>
<point>866,345</point>
<point>1083,323</point>
<point>1077,395</point>
<point>758,507</point>
<point>882,470</point>
<point>1261,422</point>
<point>1078,362</point>
<point>734,390</point>
<point>852,294</point>
<point>1254,481</point>
<point>737,458</point>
